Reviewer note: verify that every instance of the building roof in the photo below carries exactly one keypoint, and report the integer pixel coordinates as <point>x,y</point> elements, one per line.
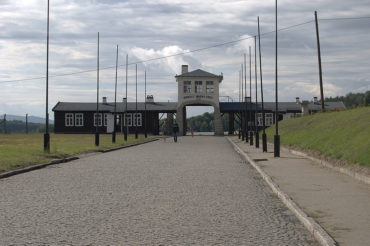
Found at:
<point>161,107</point>
<point>171,107</point>
<point>199,73</point>
<point>286,107</point>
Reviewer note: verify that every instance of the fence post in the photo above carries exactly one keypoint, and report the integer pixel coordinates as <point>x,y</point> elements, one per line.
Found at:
<point>5,131</point>
<point>26,123</point>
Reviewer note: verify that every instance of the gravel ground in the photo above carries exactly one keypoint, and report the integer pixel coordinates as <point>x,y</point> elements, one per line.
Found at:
<point>194,192</point>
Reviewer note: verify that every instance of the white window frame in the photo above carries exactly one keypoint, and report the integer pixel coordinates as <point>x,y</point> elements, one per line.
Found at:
<point>137,119</point>
<point>68,117</point>
<point>198,86</point>
<point>98,117</point>
<point>269,119</point>
<point>259,119</point>
<point>209,87</point>
<point>128,119</point>
<point>79,119</point>
<point>187,87</point>
<point>105,119</point>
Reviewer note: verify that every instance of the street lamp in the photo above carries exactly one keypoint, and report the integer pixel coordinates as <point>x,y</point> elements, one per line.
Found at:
<point>46,135</point>
<point>276,137</point>
<point>97,118</point>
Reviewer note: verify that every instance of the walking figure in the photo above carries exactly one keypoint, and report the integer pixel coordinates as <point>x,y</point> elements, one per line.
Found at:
<point>164,131</point>
<point>175,129</point>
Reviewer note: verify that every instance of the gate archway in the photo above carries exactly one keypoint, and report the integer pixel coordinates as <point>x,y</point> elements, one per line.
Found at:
<point>181,116</point>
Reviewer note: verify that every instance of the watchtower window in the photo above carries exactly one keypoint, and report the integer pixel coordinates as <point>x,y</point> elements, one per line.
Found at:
<point>198,87</point>
<point>209,87</point>
<point>187,87</point>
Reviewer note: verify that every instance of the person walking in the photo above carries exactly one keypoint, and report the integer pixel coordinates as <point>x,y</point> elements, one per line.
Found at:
<point>175,129</point>
<point>164,131</point>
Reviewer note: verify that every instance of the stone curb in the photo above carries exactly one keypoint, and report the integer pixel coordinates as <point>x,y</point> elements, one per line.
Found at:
<point>35,167</point>
<point>126,146</point>
<point>353,174</point>
<point>68,159</point>
<point>313,227</point>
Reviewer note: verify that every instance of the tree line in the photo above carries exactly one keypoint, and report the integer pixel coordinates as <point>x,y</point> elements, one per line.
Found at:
<point>17,126</point>
<point>205,122</point>
<point>352,99</point>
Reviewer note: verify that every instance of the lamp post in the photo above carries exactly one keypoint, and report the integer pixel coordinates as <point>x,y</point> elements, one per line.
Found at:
<point>239,102</point>
<point>135,116</point>
<point>256,112</point>
<point>115,102</point>
<point>46,135</point>
<point>246,103</point>
<point>97,118</point>
<point>250,95</point>
<point>276,137</point>
<point>145,114</point>
<point>242,110</point>
<point>125,131</point>
<point>264,139</point>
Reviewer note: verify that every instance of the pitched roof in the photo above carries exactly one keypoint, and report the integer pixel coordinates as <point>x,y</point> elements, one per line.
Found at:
<point>198,73</point>
<point>164,107</point>
<point>282,106</point>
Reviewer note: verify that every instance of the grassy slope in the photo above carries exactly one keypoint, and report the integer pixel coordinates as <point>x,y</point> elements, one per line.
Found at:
<point>343,135</point>
<point>19,149</point>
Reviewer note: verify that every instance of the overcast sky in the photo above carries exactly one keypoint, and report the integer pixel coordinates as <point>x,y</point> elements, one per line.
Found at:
<point>156,28</point>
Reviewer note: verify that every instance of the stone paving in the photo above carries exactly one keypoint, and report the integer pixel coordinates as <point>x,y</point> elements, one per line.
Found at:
<point>194,192</point>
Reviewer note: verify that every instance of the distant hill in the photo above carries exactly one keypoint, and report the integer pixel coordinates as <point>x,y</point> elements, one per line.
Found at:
<point>31,119</point>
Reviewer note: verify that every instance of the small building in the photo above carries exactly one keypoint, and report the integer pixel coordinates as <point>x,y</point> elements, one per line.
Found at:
<point>77,117</point>
<point>198,88</point>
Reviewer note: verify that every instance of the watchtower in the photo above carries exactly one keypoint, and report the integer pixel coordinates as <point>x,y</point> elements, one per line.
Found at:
<point>198,88</point>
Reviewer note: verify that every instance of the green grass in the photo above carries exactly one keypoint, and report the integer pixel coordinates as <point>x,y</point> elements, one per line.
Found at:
<point>343,135</point>
<point>20,149</point>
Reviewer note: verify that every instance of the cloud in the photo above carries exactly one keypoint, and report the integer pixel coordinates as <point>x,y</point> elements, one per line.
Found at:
<point>155,28</point>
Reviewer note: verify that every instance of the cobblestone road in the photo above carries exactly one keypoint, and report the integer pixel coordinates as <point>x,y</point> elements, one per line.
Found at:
<point>194,192</point>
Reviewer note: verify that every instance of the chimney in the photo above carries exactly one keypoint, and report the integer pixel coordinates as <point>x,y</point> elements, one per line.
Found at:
<point>304,107</point>
<point>124,100</point>
<point>150,99</point>
<point>105,100</point>
<point>297,100</point>
<point>315,99</point>
<point>184,69</point>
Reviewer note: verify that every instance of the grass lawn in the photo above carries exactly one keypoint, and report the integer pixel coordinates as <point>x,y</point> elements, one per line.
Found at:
<point>343,135</point>
<point>20,149</point>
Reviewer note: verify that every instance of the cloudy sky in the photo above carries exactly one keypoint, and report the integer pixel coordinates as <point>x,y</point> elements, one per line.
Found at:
<point>156,28</point>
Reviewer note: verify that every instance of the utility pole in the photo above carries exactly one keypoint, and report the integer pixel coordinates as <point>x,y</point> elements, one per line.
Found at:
<point>145,114</point>
<point>115,101</point>
<point>125,114</point>
<point>97,118</point>
<point>256,113</point>
<point>264,138</point>
<point>46,135</point>
<point>135,117</point>
<point>319,58</point>
<point>276,137</point>
<point>250,95</point>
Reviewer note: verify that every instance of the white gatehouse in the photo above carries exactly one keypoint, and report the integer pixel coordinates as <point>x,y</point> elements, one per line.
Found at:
<point>198,88</point>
